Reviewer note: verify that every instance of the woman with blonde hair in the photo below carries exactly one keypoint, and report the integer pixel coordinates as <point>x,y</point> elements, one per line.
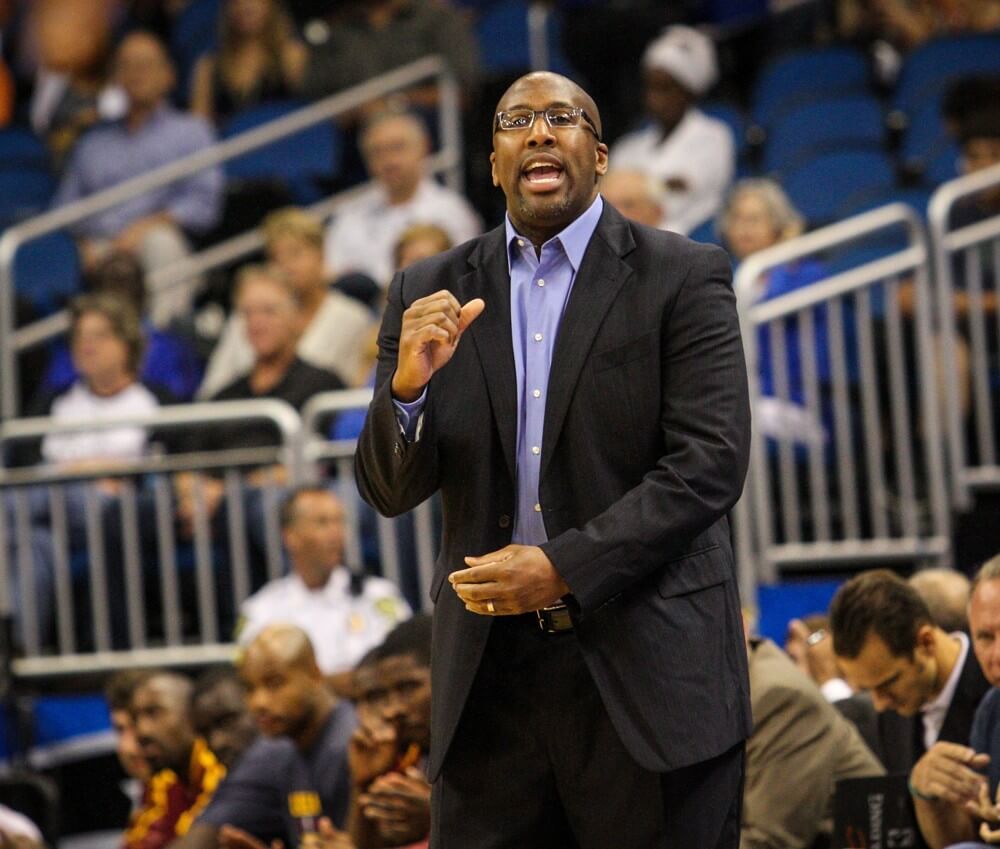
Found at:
<point>259,60</point>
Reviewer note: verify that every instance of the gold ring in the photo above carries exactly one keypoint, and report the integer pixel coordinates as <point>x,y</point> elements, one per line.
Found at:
<point>490,607</point>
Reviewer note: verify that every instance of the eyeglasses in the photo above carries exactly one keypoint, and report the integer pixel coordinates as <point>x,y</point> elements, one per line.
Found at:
<point>557,117</point>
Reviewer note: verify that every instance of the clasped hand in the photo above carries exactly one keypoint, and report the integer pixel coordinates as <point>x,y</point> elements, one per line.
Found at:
<point>515,579</point>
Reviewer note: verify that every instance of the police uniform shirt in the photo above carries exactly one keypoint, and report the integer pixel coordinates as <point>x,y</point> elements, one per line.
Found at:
<point>342,625</point>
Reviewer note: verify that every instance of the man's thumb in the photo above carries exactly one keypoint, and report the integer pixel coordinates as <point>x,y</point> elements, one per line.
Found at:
<point>470,312</point>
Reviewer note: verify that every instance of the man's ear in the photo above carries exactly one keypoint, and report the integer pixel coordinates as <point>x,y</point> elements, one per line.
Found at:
<point>925,638</point>
<point>601,154</point>
<point>493,170</point>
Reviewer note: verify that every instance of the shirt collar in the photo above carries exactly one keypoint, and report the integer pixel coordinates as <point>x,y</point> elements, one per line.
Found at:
<point>943,701</point>
<point>574,238</point>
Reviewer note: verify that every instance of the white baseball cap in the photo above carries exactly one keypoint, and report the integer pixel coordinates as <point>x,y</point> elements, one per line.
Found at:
<point>687,55</point>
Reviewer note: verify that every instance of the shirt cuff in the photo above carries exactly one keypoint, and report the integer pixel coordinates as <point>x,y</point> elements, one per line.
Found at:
<point>410,416</point>
<point>836,690</point>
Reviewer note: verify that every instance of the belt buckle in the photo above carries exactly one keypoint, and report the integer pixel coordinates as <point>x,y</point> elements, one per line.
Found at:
<point>554,619</point>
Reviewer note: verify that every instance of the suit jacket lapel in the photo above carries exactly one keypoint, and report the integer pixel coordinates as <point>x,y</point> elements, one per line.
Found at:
<point>602,274</point>
<point>490,280</point>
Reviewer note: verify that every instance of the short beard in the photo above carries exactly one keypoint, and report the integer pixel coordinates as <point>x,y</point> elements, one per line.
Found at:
<point>544,214</point>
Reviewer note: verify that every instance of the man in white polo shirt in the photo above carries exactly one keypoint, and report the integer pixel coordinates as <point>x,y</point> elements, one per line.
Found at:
<point>344,614</point>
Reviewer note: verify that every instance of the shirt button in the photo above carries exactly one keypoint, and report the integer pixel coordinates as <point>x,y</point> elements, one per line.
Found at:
<point>520,243</point>
<point>538,508</point>
<point>504,521</point>
<point>537,393</point>
<point>535,449</point>
<point>538,337</point>
<point>541,282</point>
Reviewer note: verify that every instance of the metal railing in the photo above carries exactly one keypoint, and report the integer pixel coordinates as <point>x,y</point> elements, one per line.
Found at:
<point>966,260</point>
<point>125,547</point>
<point>447,160</point>
<point>863,483</point>
<point>320,451</point>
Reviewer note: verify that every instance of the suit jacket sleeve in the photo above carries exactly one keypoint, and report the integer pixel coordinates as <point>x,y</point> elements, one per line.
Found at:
<point>704,419</point>
<point>393,475</point>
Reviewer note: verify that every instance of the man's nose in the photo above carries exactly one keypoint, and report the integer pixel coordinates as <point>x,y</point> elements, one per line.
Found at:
<point>540,133</point>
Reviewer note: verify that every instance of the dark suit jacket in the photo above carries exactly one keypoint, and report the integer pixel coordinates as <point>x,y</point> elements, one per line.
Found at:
<point>902,737</point>
<point>645,449</point>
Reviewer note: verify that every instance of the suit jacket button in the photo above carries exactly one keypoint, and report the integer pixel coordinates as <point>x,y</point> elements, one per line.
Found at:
<point>504,521</point>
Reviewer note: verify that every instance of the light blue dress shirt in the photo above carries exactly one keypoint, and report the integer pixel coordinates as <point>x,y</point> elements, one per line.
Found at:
<point>540,287</point>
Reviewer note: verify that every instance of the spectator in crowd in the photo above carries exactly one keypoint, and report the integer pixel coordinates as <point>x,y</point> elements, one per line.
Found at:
<point>344,613</point>
<point>756,215</point>
<point>809,646</point>
<point>185,772</point>
<point>71,92</point>
<point>909,23</point>
<point>259,60</point>
<point>635,195</point>
<point>220,715</point>
<point>375,36</point>
<point>169,362</point>
<point>395,147</point>
<point>270,308</point>
<point>297,772</point>
<point>154,225</point>
<point>946,594</point>
<point>391,797</point>
<point>419,241</point>
<point>800,747</point>
<point>947,798</point>
<point>925,683</point>
<point>118,694</point>
<point>334,324</point>
<point>692,154</point>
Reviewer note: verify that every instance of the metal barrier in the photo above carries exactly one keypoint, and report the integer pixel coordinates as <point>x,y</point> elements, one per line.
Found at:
<point>966,260</point>
<point>142,514</point>
<point>318,450</point>
<point>864,484</point>
<point>448,160</point>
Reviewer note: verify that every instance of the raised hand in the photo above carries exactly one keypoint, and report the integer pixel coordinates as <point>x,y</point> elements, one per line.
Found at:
<point>432,328</point>
<point>373,750</point>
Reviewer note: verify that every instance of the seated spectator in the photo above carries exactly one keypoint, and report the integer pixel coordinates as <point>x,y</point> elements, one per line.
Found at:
<point>185,772</point>
<point>220,715</point>
<point>334,324</point>
<point>926,684</point>
<point>758,214</point>
<point>169,363</point>
<point>946,594</point>
<point>390,803</point>
<point>153,226</point>
<point>946,800</point>
<point>800,747</point>
<point>271,310</point>
<point>395,147</point>
<point>118,694</point>
<point>345,614</point>
<point>691,154</point>
<point>635,195</point>
<point>909,23</point>
<point>297,771</point>
<point>419,241</point>
<point>259,59</point>
<point>372,37</point>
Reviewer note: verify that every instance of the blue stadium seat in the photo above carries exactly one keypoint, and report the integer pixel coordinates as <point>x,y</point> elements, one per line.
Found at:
<point>705,232</point>
<point>821,187</point>
<point>821,127</point>
<point>196,31</point>
<point>800,77</point>
<point>24,193</point>
<point>925,135</point>
<point>47,271</point>
<point>300,160</point>
<point>504,43</point>
<point>930,68</point>
<point>21,148</point>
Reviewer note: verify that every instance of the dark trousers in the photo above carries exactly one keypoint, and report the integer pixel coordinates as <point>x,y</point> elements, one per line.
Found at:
<point>536,764</point>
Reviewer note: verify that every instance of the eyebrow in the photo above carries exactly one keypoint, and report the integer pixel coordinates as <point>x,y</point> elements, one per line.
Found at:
<point>548,106</point>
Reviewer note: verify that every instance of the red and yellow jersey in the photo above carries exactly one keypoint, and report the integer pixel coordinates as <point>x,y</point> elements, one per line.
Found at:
<point>169,805</point>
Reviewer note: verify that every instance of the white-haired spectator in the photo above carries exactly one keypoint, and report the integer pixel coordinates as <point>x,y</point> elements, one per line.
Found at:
<point>692,154</point>
<point>636,195</point>
<point>395,146</point>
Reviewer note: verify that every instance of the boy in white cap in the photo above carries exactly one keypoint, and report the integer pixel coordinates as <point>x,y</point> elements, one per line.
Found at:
<point>691,153</point>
